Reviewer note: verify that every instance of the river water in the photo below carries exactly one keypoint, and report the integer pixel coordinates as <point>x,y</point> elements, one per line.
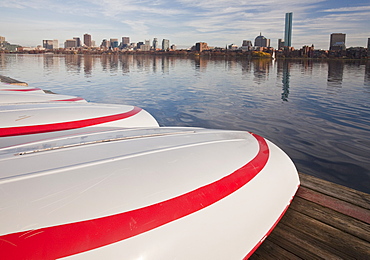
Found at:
<point>318,112</point>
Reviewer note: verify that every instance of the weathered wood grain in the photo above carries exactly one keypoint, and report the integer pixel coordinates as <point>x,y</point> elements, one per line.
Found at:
<point>340,221</point>
<point>324,221</point>
<point>272,250</point>
<point>354,197</point>
<point>336,204</point>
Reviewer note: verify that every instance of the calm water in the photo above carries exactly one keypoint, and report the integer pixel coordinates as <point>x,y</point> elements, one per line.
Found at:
<point>317,112</point>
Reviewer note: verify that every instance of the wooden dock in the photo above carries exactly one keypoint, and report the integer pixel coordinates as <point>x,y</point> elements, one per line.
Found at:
<point>324,221</point>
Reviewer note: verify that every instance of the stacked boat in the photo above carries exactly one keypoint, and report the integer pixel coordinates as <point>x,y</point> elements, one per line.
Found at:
<point>84,180</point>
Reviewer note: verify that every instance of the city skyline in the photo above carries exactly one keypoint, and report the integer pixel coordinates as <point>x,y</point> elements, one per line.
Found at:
<point>185,22</point>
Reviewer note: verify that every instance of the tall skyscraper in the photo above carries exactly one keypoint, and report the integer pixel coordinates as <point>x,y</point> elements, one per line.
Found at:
<point>288,30</point>
<point>337,41</point>
<point>87,40</point>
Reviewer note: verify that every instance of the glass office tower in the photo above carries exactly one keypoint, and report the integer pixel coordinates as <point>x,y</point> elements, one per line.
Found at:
<point>288,30</point>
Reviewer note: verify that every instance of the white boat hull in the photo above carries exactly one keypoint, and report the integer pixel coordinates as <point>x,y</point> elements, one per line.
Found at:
<point>158,193</point>
<point>9,88</point>
<point>9,97</point>
<point>28,118</point>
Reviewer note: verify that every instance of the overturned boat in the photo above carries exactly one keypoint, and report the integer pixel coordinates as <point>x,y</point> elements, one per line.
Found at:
<point>32,118</point>
<point>10,88</point>
<point>150,193</point>
<point>90,181</point>
<point>9,97</point>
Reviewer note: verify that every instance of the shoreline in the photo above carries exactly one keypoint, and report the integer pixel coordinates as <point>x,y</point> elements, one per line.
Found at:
<point>191,54</point>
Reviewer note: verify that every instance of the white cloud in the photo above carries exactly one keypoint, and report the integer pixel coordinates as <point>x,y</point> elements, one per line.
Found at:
<point>348,9</point>
<point>216,21</point>
<point>138,26</point>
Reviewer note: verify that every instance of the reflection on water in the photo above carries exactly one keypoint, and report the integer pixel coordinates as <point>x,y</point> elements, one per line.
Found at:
<point>261,69</point>
<point>284,69</point>
<point>367,74</point>
<point>335,73</point>
<point>325,126</point>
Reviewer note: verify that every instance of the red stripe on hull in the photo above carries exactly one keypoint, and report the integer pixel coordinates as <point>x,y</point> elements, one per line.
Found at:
<point>71,99</point>
<point>69,239</point>
<point>22,90</point>
<point>36,129</point>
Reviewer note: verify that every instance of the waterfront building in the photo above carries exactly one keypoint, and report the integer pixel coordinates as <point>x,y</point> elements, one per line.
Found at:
<point>288,30</point>
<point>281,44</point>
<point>233,47</point>
<point>50,44</point>
<point>368,47</point>
<point>105,44</point>
<point>138,45</point>
<point>55,44</point>
<point>114,43</point>
<point>78,41</point>
<point>125,42</point>
<point>165,44</point>
<point>337,41</point>
<point>247,43</point>
<point>155,44</point>
<point>2,42</point>
<point>147,42</point>
<point>143,46</point>
<point>87,40</point>
<point>68,44</point>
<point>201,46</point>
<point>173,47</point>
<point>261,41</point>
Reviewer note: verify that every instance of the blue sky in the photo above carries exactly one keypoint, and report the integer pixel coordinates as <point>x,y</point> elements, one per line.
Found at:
<point>185,22</point>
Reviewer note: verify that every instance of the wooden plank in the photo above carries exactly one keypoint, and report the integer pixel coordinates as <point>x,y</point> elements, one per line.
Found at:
<point>12,81</point>
<point>331,189</point>
<point>271,250</point>
<point>333,218</point>
<point>302,245</point>
<point>335,204</point>
<point>336,239</point>
<point>324,221</point>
